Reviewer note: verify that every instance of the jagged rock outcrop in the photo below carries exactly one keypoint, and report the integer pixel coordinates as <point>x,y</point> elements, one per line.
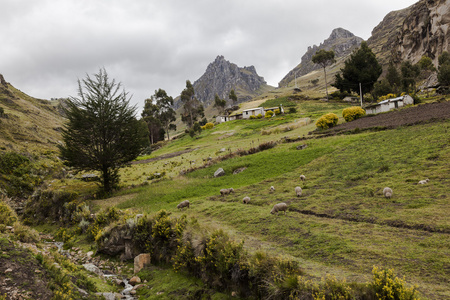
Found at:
<point>3,82</point>
<point>410,33</point>
<point>221,77</point>
<point>341,41</point>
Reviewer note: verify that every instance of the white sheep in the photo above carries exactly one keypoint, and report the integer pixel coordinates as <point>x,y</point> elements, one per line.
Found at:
<point>298,191</point>
<point>272,188</point>
<point>279,207</point>
<point>302,177</point>
<point>424,181</point>
<point>183,204</point>
<point>224,192</point>
<point>246,200</point>
<point>387,192</point>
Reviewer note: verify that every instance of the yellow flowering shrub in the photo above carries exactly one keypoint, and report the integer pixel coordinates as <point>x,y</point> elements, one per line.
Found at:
<point>389,287</point>
<point>385,97</point>
<point>327,121</point>
<point>268,114</point>
<point>353,113</point>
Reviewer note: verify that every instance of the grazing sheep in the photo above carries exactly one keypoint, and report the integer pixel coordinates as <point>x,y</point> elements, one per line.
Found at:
<point>183,204</point>
<point>279,207</point>
<point>224,192</point>
<point>302,177</point>
<point>387,192</point>
<point>246,200</point>
<point>298,191</point>
<point>272,189</point>
<point>424,181</point>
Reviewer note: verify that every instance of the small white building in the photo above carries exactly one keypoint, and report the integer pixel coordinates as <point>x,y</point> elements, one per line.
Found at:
<point>221,119</point>
<point>246,113</point>
<point>388,104</point>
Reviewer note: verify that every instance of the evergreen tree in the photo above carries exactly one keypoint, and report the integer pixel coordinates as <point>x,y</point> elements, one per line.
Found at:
<point>102,133</point>
<point>324,58</point>
<point>394,78</point>
<point>192,107</point>
<point>361,68</point>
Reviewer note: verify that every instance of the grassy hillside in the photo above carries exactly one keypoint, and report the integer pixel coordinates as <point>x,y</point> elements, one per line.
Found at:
<point>341,224</point>
<point>28,124</point>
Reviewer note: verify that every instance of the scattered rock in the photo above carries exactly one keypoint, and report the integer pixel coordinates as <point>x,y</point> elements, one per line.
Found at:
<point>219,172</point>
<point>9,270</point>
<point>141,261</point>
<point>237,171</point>
<point>301,147</point>
<point>93,268</point>
<point>134,280</point>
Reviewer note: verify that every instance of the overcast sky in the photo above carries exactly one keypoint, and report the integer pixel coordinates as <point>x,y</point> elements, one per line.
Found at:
<point>46,46</point>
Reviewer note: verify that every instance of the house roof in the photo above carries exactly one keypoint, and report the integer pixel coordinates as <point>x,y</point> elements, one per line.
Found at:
<point>386,101</point>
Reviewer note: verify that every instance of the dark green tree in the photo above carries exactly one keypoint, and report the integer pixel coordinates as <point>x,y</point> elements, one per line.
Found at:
<point>219,104</point>
<point>410,73</point>
<point>382,88</point>
<point>192,107</point>
<point>150,115</point>
<point>233,97</point>
<point>444,69</point>
<point>167,114</point>
<point>361,68</point>
<point>394,78</point>
<point>102,132</point>
<point>324,59</point>
<point>426,64</point>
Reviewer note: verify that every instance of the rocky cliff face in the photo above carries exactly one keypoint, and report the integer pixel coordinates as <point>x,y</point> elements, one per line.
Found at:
<point>408,34</point>
<point>221,77</point>
<point>341,41</point>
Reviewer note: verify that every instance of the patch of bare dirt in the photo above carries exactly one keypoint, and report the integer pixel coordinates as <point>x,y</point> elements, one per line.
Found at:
<point>408,116</point>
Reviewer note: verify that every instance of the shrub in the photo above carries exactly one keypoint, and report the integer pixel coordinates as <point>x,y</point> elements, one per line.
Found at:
<point>277,111</point>
<point>387,286</point>
<point>268,114</point>
<point>7,215</point>
<point>25,234</point>
<point>385,97</point>
<point>292,110</point>
<point>2,111</point>
<point>209,125</point>
<point>327,121</point>
<point>353,113</point>
<point>252,117</point>
<point>259,116</point>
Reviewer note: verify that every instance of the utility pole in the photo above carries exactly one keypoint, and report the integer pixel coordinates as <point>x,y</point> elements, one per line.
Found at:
<point>360,94</point>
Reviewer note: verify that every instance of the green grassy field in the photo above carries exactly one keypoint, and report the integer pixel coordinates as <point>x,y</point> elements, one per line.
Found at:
<point>342,224</point>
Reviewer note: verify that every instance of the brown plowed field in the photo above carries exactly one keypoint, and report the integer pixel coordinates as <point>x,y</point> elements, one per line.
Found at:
<point>407,116</point>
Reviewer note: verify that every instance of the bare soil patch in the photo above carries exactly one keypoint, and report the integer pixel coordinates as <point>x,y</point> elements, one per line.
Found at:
<point>407,116</point>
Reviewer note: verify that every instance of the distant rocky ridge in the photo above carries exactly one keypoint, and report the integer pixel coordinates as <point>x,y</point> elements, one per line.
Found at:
<point>341,41</point>
<point>222,76</point>
<point>410,33</point>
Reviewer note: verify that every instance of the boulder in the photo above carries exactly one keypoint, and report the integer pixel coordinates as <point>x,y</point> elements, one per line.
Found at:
<point>93,268</point>
<point>134,280</point>
<point>141,261</point>
<point>219,172</point>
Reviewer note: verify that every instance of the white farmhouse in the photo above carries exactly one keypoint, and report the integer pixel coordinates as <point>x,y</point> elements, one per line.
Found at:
<point>246,113</point>
<point>388,104</point>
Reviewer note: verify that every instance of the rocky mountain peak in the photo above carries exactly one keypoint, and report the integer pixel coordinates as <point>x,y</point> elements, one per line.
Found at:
<point>340,40</point>
<point>221,76</point>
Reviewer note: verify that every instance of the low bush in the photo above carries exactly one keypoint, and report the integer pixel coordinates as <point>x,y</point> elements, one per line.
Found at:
<point>252,117</point>
<point>292,110</point>
<point>387,286</point>
<point>353,113</point>
<point>7,214</point>
<point>277,111</point>
<point>259,116</point>
<point>327,121</point>
<point>269,114</point>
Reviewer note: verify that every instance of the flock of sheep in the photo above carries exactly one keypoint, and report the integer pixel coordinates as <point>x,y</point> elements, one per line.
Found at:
<point>387,192</point>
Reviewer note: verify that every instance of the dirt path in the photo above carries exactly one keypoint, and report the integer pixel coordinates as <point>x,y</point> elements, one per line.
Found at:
<point>164,156</point>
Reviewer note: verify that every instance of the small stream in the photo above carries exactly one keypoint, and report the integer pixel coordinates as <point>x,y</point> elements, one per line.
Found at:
<point>128,287</point>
